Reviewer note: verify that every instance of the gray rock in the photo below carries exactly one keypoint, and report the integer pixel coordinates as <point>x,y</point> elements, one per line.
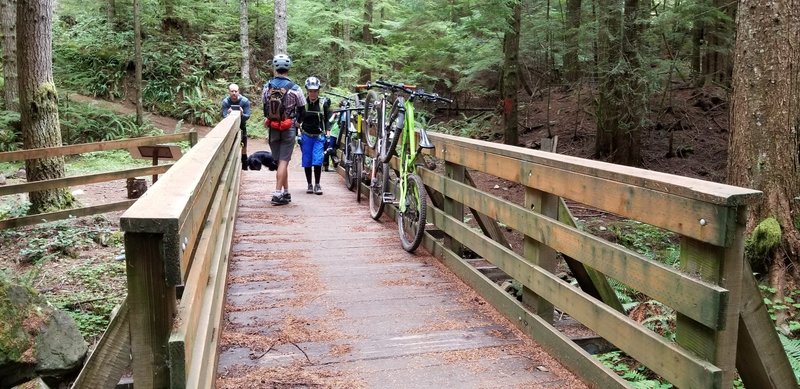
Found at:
<point>36,340</point>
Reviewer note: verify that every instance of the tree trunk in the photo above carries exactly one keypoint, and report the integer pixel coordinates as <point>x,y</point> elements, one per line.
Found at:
<point>511,76</point>
<point>244,39</point>
<point>137,59</point>
<point>622,98</point>
<point>764,151</point>
<point>571,64</point>
<point>336,50</point>
<point>111,13</point>
<point>39,100</point>
<point>281,28</point>
<point>8,29</point>
<point>366,37</point>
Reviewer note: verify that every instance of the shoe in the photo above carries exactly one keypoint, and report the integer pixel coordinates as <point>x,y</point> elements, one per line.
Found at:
<point>281,200</point>
<point>310,189</point>
<point>287,196</point>
<point>325,168</point>
<point>317,190</point>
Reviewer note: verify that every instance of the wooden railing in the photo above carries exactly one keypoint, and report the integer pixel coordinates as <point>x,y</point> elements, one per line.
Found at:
<point>177,238</point>
<point>722,324</point>
<point>83,179</point>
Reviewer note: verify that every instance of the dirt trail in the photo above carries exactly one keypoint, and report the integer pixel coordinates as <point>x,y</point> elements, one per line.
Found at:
<point>165,123</point>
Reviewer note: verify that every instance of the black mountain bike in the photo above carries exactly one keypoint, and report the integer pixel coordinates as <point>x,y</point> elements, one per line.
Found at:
<point>350,139</point>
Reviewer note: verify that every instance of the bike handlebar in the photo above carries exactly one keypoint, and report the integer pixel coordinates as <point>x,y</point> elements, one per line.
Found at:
<point>411,90</point>
<point>338,95</point>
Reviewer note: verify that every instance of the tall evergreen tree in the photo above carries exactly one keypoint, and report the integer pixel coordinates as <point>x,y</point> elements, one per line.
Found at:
<point>137,59</point>
<point>8,30</point>
<point>764,150</point>
<point>244,39</point>
<point>511,81</point>
<point>281,28</point>
<point>39,100</point>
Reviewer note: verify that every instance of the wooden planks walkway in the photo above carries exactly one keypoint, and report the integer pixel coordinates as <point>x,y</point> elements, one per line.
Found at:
<point>321,296</point>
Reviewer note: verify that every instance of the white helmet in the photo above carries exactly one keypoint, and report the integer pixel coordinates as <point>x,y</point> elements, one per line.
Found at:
<point>312,83</point>
<point>281,61</point>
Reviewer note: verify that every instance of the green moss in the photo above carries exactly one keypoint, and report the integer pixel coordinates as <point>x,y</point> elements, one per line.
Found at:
<point>766,236</point>
<point>13,339</point>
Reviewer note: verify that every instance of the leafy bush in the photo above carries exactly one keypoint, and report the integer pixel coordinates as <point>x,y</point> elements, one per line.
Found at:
<point>10,135</point>
<point>85,123</point>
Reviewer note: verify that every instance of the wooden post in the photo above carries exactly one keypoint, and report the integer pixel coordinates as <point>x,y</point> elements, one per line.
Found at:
<point>723,266</point>
<point>537,253</point>
<point>452,207</point>
<point>152,306</point>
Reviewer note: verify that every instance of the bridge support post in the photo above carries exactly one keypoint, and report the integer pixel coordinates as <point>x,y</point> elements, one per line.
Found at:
<point>152,306</point>
<point>452,207</point>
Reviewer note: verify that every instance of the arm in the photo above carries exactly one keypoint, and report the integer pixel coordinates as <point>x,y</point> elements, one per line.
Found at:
<point>226,105</point>
<point>326,109</point>
<point>245,109</point>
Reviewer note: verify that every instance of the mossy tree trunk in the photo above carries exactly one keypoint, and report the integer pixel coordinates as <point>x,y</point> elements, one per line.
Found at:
<point>764,150</point>
<point>622,95</point>
<point>8,29</point>
<point>39,100</point>
<point>511,75</point>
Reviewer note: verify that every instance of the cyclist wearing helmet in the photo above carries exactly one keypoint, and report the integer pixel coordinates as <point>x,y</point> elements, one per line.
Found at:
<point>314,130</point>
<point>283,103</point>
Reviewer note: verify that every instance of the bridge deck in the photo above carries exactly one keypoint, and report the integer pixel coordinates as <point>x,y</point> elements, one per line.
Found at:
<point>320,295</point>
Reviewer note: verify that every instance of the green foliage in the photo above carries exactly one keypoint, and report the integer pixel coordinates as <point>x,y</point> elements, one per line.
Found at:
<point>650,241</point>
<point>638,375</point>
<point>103,161</point>
<point>13,206</point>
<point>792,348</point>
<point>475,127</point>
<point>86,123</point>
<point>10,135</point>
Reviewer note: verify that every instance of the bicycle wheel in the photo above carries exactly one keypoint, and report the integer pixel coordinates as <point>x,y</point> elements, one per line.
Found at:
<point>358,172</point>
<point>411,223</point>
<point>373,122</point>
<point>395,127</point>
<point>349,166</point>
<point>378,185</point>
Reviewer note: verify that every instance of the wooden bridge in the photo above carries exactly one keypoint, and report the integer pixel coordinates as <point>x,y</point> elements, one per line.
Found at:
<point>227,290</point>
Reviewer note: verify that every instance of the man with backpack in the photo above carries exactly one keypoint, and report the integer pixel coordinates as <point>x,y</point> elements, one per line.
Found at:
<point>237,102</point>
<point>284,102</point>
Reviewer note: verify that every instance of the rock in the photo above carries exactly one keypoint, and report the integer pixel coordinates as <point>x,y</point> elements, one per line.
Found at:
<point>20,173</point>
<point>2,179</point>
<point>496,187</point>
<point>36,340</point>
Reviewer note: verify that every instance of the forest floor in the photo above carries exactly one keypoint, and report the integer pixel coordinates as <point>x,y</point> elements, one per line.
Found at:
<point>688,137</point>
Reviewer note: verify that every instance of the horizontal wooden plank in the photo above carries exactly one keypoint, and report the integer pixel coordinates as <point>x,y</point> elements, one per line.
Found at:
<point>66,214</point>
<point>705,221</point>
<point>82,180</point>
<point>697,299</point>
<point>680,367</point>
<point>58,151</point>
<point>171,206</point>
<point>557,344</point>
<point>691,188</point>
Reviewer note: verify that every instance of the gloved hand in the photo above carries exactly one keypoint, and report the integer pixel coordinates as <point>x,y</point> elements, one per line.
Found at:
<point>299,140</point>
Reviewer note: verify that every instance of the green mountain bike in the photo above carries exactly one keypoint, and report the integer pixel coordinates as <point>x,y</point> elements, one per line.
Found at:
<point>399,138</point>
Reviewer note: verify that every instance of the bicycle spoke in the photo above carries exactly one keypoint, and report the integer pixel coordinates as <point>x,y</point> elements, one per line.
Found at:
<point>411,222</point>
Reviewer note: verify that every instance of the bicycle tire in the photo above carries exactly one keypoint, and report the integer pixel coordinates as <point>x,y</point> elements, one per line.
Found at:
<point>378,186</point>
<point>358,161</point>
<point>396,122</point>
<point>349,164</point>
<point>411,223</point>
<point>372,120</point>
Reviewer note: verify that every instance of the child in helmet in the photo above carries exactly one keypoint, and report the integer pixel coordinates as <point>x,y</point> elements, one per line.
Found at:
<point>314,130</point>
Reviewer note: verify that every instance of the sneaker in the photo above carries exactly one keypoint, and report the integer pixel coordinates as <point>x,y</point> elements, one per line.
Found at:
<point>317,190</point>
<point>287,196</point>
<point>281,200</point>
<point>325,168</point>
<point>310,189</point>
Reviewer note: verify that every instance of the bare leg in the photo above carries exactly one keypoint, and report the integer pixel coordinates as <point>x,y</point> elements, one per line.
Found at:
<point>282,176</point>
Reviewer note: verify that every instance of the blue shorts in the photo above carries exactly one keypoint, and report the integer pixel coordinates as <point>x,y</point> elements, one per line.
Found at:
<point>312,147</point>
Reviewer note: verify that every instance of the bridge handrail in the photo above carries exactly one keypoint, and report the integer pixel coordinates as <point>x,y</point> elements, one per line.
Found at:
<point>707,292</point>
<point>178,232</point>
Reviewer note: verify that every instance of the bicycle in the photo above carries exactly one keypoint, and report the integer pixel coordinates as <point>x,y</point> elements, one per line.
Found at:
<point>352,159</point>
<point>399,131</point>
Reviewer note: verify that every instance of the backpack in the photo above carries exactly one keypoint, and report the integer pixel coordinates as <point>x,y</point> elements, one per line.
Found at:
<point>274,106</point>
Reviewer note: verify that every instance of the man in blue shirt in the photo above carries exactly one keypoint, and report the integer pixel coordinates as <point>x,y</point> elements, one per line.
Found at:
<point>237,102</point>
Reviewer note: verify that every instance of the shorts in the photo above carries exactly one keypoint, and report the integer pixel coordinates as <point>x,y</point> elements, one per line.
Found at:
<point>281,143</point>
<point>313,148</point>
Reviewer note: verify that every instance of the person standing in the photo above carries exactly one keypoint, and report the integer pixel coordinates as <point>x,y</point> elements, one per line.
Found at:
<point>236,102</point>
<point>330,144</point>
<point>284,102</point>
<point>314,131</point>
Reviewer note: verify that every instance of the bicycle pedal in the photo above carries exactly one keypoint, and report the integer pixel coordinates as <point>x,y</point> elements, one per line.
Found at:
<point>389,198</point>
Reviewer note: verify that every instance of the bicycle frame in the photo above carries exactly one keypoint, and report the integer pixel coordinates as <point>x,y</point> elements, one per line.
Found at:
<point>407,160</point>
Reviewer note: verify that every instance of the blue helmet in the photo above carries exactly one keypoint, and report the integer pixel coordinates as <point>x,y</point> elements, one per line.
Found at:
<point>281,61</point>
